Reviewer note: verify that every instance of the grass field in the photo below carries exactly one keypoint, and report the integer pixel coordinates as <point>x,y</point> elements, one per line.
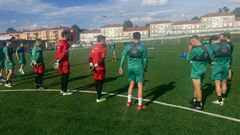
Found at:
<point>167,80</point>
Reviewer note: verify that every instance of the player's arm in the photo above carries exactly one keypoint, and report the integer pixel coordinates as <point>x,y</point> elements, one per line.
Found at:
<point>17,53</point>
<point>60,52</point>
<point>124,55</point>
<point>5,51</point>
<point>34,60</point>
<point>145,59</point>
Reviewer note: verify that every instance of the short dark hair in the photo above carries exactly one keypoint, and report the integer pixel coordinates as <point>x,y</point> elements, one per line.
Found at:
<point>100,38</point>
<point>213,37</point>
<point>196,37</point>
<point>64,33</point>
<point>226,35</point>
<point>137,35</point>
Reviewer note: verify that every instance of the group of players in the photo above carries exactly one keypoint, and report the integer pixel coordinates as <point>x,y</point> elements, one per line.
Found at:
<point>135,51</point>
<point>218,53</point>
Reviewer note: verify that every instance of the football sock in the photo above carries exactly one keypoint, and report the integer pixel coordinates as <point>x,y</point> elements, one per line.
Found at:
<point>129,98</point>
<point>140,101</point>
<point>219,98</point>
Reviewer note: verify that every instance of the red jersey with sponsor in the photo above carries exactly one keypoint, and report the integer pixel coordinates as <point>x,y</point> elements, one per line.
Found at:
<point>97,53</point>
<point>63,57</point>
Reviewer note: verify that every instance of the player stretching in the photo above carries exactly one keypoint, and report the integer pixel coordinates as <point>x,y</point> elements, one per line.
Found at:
<point>225,37</point>
<point>38,64</point>
<point>20,54</point>
<point>97,64</point>
<point>198,54</point>
<point>220,55</point>
<point>9,63</point>
<point>137,64</point>
<point>62,55</point>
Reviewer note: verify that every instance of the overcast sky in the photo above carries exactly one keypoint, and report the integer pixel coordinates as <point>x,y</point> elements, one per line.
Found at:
<point>29,14</point>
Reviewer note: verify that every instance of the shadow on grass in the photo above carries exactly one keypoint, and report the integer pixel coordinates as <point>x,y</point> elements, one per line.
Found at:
<point>158,91</point>
<point>92,85</point>
<point>207,90</point>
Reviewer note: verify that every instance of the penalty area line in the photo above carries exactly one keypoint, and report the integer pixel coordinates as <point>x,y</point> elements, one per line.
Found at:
<point>124,96</point>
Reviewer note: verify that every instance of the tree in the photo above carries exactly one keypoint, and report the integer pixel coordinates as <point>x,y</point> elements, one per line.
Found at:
<point>11,30</point>
<point>127,24</point>
<point>75,37</point>
<point>196,18</point>
<point>236,12</point>
<point>220,10</point>
<point>225,9</point>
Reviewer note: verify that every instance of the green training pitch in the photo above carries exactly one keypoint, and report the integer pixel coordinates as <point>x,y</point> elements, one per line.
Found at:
<point>167,80</point>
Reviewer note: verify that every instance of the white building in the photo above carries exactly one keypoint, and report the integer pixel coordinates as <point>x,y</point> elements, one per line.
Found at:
<point>218,20</point>
<point>89,35</point>
<point>160,28</point>
<point>187,27</point>
<point>237,22</point>
<point>112,31</point>
<point>128,32</point>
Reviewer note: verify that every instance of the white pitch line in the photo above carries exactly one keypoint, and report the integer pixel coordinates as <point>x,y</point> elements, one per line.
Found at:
<point>124,96</point>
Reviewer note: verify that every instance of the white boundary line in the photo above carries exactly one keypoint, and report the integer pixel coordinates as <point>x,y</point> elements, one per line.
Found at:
<point>124,96</point>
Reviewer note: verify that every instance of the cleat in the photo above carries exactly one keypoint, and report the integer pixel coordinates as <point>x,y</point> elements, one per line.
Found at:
<point>129,104</point>
<point>217,102</point>
<point>41,88</point>
<point>8,85</point>
<point>141,107</point>
<point>61,92</point>
<point>67,93</point>
<point>100,100</point>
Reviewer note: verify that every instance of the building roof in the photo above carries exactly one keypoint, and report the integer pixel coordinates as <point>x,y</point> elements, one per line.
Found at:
<point>112,25</point>
<point>187,22</point>
<point>161,22</point>
<point>139,28</point>
<point>91,31</point>
<point>217,14</point>
<point>5,37</point>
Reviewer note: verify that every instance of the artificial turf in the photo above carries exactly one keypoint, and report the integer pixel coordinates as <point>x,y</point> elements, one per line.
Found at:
<point>167,80</point>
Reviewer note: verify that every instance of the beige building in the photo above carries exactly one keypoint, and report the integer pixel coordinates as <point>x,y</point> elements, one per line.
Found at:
<point>160,28</point>
<point>112,31</point>
<point>89,35</point>
<point>128,32</point>
<point>52,35</point>
<point>186,27</point>
<point>218,20</point>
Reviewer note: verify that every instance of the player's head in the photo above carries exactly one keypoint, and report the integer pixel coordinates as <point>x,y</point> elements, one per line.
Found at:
<point>225,36</point>
<point>38,42</point>
<point>21,44</point>
<point>9,42</point>
<point>214,39</point>
<point>65,34</point>
<point>136,36</point>
<point>195,40</point>
<point>101,39</point>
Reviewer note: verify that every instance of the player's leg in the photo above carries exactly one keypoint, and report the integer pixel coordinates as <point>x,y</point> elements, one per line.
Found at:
<point>8,79</point>
<point>64,84</point>
<point>219,100</point>
<point>140,80</point>
<point>114,56</point>
<point>224,89</point>
<point>198,92</point>
<point>99,85</point>
<point>130,91</point>
<point>140,96</point>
